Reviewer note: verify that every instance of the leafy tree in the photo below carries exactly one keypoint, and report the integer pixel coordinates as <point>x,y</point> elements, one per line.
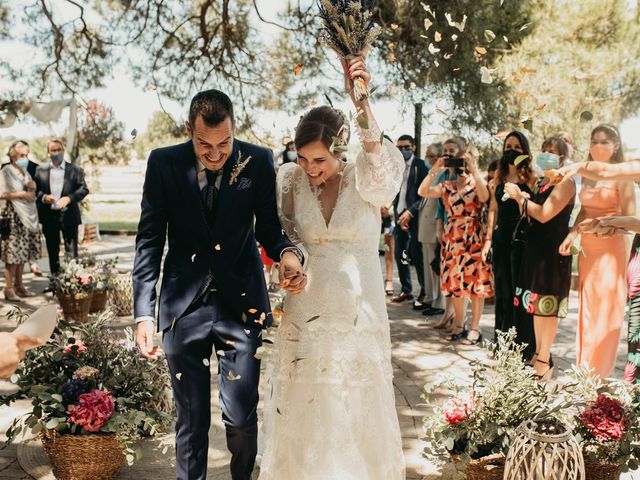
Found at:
<point>577,69</point>
<point>162,130</point>
<point>101,135</point>
<point>437,49</point>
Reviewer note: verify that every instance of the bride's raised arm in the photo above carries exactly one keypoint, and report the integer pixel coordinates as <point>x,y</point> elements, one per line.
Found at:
<point>380,166</point>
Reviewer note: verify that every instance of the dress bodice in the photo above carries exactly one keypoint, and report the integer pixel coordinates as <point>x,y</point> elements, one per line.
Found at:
<point>601,200</point>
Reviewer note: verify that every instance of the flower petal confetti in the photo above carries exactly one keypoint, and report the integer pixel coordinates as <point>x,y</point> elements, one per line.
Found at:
<point>232,377</point>
<point>459,25</point>
<point>260,352</point>
<point>486,75</point>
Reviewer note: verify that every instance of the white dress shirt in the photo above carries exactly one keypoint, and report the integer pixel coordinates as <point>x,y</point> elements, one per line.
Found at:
<point>202,177</point>
<point>402,199</point>
<point>56,182</point>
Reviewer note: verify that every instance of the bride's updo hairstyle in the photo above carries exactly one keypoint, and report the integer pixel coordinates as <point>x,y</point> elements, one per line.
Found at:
<point>323,124</point>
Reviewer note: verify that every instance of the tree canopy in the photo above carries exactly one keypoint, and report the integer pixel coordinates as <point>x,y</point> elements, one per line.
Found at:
<point>490,65</point>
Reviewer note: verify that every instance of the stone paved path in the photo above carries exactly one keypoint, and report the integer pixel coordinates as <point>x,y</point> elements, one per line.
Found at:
<point>419,354</point>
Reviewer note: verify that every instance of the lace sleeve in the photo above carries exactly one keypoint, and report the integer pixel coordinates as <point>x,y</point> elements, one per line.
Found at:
<point>285,195</point>
<point>378,176</point>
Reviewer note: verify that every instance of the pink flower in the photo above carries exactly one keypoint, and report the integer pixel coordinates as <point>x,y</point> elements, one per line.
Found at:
<point>85,280</point>
<point>79,344</point>
<point>531,308</point>
<point>457,409</point>
<point>605,419</point>
<point>516,302</point>
<point>92,410</point>
<point>630,372</point>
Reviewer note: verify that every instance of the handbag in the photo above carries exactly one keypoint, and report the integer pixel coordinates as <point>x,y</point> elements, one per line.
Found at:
<point>5,225</point>
<point>521,232</point>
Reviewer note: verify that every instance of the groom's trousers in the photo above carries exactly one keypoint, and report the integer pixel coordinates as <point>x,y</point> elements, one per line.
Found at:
<point>188,345</point>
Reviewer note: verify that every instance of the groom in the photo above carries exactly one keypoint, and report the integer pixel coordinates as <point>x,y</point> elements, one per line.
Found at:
<point>203,196</point>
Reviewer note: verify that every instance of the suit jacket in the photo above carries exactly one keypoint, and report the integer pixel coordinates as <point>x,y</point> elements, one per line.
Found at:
<point>427,222</point>
<point>172,209</point>
<point>73,187</point>
<point>417,173</point>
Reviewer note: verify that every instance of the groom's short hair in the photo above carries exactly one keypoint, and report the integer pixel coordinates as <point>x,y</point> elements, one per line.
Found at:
<point>213,105</point>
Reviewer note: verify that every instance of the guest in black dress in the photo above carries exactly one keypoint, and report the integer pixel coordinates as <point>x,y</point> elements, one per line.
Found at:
<point>543,286</point>
<point>502,219</point>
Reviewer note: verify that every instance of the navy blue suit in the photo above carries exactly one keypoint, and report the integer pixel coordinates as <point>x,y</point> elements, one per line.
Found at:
<point>228,319</point>
<point>407,247</point>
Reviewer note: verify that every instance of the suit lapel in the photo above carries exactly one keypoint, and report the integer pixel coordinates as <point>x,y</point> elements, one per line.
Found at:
<point>47,180</point>
<point>66,184</point>
<point>227,192</point>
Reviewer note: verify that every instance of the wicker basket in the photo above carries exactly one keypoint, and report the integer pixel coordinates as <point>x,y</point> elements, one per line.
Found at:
<point>75,307</point>
<point>83,457</point>
<point>600,471</point>
<point>122,295</point>
<point>99,301</point>
<point>490,467</point>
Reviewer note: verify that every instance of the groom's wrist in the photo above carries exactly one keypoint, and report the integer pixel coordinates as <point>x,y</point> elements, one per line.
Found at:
<point>296,251</point>
<point>146,318</point>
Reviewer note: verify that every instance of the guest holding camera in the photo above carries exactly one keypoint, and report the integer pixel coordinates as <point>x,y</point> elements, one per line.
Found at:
<point>464,272</point>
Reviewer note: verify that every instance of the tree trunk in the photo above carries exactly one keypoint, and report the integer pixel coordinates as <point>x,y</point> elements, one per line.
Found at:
<point>417,124</point>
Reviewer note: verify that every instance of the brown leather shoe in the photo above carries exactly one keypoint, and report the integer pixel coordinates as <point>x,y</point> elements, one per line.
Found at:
<point>401,297</point>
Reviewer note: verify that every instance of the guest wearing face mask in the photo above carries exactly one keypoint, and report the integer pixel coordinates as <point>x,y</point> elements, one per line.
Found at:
<point>60,188</point>
<point>545,276</point>
<point>24,161</point>
<point>289,154</point>
<point>602,267</point>
<point>406,205</point>
<point>17,192</point>
<point>507,248</point>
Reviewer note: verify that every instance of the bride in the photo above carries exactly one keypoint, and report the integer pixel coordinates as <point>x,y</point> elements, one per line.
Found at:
<point>330,407</point>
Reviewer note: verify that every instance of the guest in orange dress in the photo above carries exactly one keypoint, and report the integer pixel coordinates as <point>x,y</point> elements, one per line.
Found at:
<point>602,264</point>
<point>463,271</point>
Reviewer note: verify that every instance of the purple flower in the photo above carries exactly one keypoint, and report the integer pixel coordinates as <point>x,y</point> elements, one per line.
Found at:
<point>72,389</point>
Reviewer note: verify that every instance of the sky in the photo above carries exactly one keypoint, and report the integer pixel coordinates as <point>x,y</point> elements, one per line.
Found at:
<point>134,106</point>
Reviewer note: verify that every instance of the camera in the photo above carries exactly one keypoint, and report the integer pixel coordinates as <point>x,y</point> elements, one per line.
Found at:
<point>453,162</point>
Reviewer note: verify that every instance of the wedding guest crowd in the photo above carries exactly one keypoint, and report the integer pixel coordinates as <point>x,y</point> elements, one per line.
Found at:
<point>32,195</point>
<point>513,234</point>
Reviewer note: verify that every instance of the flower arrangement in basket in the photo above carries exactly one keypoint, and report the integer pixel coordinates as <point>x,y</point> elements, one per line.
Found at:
<point>74,286</point>
<point>607,424</point>
<point>104,273</point>
<point>475,424</point>
<point>91,390</point>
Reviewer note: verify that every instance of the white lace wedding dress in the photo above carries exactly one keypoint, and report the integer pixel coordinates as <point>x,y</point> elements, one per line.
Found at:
<point>329,400</point>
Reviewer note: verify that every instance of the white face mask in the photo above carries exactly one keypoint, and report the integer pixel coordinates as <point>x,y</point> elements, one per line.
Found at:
<point>292,155</point>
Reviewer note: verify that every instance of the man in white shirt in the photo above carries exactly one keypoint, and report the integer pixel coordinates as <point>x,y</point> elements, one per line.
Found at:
<point>60,188</point>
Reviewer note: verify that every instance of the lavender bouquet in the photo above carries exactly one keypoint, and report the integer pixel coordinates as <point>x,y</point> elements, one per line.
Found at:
<point>348,29</point>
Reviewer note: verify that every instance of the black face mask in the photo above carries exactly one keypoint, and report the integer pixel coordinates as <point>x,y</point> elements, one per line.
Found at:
<point>510,156</point>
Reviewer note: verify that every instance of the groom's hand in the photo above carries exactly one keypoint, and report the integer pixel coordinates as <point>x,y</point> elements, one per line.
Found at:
<point>144,340</point>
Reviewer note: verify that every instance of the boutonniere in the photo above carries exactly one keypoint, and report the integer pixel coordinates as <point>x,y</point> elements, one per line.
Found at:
<point>238,168</point>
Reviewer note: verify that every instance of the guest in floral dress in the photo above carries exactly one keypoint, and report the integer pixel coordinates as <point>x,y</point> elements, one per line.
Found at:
<point>463,271</point>
<point>17,193</point>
